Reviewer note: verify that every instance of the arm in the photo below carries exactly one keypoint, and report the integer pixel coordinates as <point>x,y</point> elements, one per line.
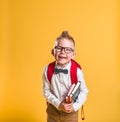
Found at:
<point>83,92</point>
<point>50,97</point>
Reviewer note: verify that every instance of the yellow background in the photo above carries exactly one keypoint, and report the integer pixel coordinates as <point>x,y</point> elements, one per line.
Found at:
<point>28,29</point>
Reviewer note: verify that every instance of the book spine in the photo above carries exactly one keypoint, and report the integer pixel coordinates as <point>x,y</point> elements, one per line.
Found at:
<point>76,87</point>
<point>71,89</point>
<point>68,99</point>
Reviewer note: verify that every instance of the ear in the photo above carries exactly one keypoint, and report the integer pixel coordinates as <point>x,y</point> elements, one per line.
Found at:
<point>52,52</point>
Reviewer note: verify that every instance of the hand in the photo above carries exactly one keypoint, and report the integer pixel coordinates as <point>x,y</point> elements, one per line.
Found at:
<point>68,108</point>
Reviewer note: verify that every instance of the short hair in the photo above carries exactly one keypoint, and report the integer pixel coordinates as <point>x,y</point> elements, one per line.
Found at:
<point>66,35</point>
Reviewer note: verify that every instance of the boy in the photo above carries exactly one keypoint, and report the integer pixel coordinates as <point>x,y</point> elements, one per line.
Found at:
<point>56,89</point>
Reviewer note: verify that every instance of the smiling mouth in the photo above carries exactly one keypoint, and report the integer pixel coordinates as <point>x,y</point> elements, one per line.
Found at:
<point>62,57</point>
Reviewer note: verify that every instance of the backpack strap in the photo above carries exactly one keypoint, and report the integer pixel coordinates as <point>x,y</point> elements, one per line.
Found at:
<point>73,71</point>
<point>50,71</point>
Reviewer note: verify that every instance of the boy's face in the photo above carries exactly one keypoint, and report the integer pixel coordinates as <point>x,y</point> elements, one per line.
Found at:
<point>64,52</point>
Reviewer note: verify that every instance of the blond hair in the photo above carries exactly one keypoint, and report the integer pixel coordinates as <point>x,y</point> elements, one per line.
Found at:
<point>66,35</point>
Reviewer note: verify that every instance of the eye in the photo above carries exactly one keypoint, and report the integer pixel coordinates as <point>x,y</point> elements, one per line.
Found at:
<point>58,48</point>
<point>67,49</point>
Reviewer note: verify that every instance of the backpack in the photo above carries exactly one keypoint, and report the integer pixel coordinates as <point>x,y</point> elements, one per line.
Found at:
<point>73,75</point>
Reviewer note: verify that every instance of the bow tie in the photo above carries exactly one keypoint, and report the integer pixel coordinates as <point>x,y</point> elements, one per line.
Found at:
<point>65,71</point>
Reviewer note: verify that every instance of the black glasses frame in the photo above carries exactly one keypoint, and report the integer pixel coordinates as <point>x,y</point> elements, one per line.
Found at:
<point>66,49</point>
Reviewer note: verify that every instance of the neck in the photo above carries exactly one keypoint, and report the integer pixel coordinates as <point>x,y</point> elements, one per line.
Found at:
<point>62,65</point>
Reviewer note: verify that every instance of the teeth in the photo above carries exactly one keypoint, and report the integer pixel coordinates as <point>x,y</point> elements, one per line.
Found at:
<point>62,57</point>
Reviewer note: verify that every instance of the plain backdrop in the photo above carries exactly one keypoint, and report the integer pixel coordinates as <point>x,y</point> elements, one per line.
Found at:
<point>28,29</point>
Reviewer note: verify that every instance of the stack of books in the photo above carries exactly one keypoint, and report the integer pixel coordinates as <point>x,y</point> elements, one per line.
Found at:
<point>73,93</point>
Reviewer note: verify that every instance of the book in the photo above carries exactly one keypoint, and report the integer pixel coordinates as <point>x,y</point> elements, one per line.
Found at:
<point>73,93</point>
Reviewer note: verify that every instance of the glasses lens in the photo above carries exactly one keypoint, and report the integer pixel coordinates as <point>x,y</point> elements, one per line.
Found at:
<point>58,48</point>
<point>66,49</point>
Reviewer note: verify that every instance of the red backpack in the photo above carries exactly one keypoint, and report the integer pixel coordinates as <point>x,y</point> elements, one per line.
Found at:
<point>73,75</point>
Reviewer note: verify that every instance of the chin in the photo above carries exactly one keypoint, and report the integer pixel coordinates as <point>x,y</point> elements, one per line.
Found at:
<point>62,64</point>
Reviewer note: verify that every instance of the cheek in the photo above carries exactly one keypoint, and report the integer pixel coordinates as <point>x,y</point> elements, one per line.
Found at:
<point>71,56</point>
<point>56,54</point>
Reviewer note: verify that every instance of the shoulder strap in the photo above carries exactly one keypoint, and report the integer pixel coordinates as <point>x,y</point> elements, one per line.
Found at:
<point>50,70</point>
<point>73,71</point>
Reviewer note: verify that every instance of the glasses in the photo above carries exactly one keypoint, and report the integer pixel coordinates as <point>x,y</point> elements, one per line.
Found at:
<point>66,49</point>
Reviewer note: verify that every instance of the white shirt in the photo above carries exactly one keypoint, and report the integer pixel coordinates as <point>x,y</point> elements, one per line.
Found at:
<point>56,90</point>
